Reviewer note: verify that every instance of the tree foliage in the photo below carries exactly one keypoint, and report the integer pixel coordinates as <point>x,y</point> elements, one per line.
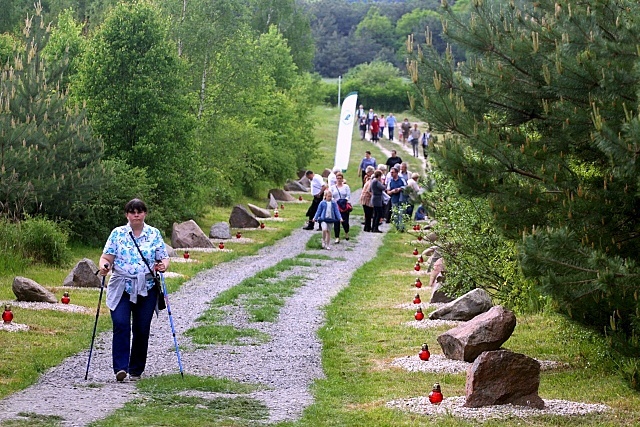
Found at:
<point>136,94</point>
<point>49,160</point>
<point>379,86</point>
<point>542,121</point>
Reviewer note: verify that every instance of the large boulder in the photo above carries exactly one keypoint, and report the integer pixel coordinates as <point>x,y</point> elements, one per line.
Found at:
<point>170,251</point>
<point>30,291</point>
<point>281,195</point>
<point>273,203</point>
<point>485,332</point>
<point>304,181</point>
<point>326,173</point>
<point>220,230</point>
<point>501,377</point>
<point>189,235</point>
<point>294,186</point>
<point>301,173</point>
<point>438,296</point>
<point>242,218</point>
<point>83,275</point>
<point>259,212</point>
<point>465,307</point>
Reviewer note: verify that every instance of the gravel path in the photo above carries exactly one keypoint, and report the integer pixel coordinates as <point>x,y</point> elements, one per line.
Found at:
<point>287,364</point>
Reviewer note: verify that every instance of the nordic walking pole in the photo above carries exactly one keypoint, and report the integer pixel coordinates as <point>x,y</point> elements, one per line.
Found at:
<point>173,329</point>
<point>95,325</point>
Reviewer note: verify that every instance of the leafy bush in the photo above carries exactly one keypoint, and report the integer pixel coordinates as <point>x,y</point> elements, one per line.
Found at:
<point>476,255</point>
<point>379,86</point>
<point>43,240</point>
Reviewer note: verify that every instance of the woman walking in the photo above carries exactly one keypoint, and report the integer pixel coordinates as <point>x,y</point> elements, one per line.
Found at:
<point>377,188</point>
<point>375,129</point>
<point>342,194</point>
<point>327,213</point>
<point>131,251</point>
<point>365,199</point>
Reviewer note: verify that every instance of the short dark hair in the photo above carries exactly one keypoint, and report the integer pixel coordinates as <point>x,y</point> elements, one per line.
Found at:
<point>135,205</point>
<point>367,152</point>
<point>309,172</point>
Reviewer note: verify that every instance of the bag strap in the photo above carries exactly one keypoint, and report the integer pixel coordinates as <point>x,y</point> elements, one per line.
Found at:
<point>141,255</point>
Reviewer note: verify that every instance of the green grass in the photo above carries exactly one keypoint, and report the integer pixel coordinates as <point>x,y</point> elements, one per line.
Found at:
<point>165,403</point>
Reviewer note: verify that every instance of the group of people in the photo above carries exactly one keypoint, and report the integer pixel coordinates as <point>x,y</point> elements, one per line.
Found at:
<point>388,188</point>
<point>370,123</point>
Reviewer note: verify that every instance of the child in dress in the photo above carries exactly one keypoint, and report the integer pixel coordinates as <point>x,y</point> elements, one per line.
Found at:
<point>327,214</point>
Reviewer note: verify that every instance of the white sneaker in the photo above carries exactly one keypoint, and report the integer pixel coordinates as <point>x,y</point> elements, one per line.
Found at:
<point>337,240</point>
<point>328,247</point>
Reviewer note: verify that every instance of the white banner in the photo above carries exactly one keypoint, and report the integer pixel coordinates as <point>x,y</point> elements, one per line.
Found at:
<point>345,131</point>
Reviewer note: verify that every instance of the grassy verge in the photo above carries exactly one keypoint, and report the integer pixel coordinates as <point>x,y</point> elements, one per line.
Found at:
<point>55,335</point>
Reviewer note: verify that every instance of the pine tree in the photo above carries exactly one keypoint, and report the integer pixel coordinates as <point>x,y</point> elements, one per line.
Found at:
<point>541,119</point>
<point>49,161</point>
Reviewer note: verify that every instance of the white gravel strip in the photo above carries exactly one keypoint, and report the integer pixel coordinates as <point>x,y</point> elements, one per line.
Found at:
<point>70,308</point>
<point>438,363</point>
<point>453,406</point>
<point>427,323</point>
<point>287,364</point>
<point>13,327</point>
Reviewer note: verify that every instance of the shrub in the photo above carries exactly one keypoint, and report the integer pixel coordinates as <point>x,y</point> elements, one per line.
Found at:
<point>10,259</point>
<point>43,240</point>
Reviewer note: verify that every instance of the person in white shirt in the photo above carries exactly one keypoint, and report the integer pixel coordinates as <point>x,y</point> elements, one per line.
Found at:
<point>317,190</point>
<point>331,179</point>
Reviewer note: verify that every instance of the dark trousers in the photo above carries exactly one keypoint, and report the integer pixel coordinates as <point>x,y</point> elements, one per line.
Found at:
<point>345,224</point>
<point>387,212</point>
<point>391,134</point>
<point>368,216</point>
<point>131,338</point>
<point>378,212</point>
<point>424,151</point>
<point>311,212</point>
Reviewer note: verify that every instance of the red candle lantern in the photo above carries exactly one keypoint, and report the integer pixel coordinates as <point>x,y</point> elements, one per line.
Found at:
<point>416,299</point>
<point>238,235</point>
<point>435,397</point>
<point>420,259</point>
<point>7,315</point>
<point>65,298</point>
<point>220,245</point>
<point>418,283</point>
<point>419,238</point>
<point>281,206</point>
<point>262,225</point>
<point>424,353</point>
<point>415,251</point>
<point>416,227</point>
<point>417,266</point>
<point>300,198</point>
<point>275,213</point>
<point>419,314</point>
<point>186,255</point>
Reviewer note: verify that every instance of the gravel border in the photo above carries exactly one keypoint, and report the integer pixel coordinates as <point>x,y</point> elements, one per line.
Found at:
<point>453,406</point>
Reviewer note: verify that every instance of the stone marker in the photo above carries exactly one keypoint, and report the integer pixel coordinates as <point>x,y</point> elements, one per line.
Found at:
<point>83,275</point>
<point>301,173</point>
<point>304,181</point>
<point>273,203</point>
<point>259,212</point>
<point>465,307</point>
<point>485,332</point>
<point>242,218</point>
<point>189,235</point>
<point>220,230</point>
<point>437,269</point>
<point>294,186</point>
<point>438,296</point>
<point>281,195</point>
<point>30,291</point>
<point>501,377</point>
<point>326,173</point>
<point>170,251</point>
